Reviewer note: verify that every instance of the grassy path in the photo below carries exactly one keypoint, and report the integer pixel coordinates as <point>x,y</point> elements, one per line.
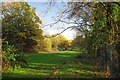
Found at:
<point>53,65</point>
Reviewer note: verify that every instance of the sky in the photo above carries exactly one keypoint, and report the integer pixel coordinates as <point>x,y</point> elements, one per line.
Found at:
<point>48,14</point>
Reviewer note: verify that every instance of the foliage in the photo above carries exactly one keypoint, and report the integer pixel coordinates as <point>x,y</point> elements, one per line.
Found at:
<point>20,25</point>
<point>65,45</point>
<point>12,57</point>
<point>102,36</point>
<point>60,43</point>
<point>56,43</point>
<point>105,35</point>
<point>79,43</point>
<point>47,45</point>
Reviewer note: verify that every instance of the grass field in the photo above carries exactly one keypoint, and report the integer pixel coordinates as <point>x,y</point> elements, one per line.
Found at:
<point>53,65</point>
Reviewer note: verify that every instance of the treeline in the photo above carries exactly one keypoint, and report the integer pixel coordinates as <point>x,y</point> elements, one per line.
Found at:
<point>21,28</point>
<point>98,27</point>
<point>21,33</point>
<point>97,24</point>
<point>54,43</point>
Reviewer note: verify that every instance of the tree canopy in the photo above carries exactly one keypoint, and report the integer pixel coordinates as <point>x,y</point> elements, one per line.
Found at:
<point>20,25</point>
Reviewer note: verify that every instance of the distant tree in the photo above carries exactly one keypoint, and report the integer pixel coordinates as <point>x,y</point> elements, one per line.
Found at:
<point>60,43</point>
<point>47,45</point>
<point>55,42</point>
<point>79,43</point>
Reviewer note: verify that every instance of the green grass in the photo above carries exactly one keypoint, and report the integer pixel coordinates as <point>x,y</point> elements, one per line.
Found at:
<point>53,65</point>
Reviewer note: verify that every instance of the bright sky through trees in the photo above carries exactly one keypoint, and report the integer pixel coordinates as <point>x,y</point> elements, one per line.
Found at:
<point>47,14</point>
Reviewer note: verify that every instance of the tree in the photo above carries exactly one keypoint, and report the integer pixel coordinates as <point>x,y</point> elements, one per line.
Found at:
<point>79,43</point>
<point>99,23</point>
<point>64,44</point>
<point>104,31</point>
<point>20,25</point>
<point>47,45</point>
<point>59,42</point>
<point>20,32</point>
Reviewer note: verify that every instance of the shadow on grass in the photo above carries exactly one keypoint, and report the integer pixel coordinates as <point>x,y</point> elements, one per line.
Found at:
<point>48,61</point>
<point>23,75</point>
<point>55,58</point>
<point>60,65</point>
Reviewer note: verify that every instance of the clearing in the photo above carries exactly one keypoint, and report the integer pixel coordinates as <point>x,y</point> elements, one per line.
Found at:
<point>54,65</point>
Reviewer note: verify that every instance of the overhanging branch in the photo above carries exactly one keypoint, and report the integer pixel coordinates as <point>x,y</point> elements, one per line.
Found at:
<point>60,32</point>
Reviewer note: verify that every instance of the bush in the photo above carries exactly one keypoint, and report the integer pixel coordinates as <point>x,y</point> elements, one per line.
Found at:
<point>12,57</point>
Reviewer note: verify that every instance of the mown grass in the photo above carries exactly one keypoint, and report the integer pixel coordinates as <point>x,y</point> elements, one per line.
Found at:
<point>54,65</point>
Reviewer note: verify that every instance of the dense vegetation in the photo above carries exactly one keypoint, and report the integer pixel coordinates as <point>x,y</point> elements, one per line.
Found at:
<point>97,41</point>
<point>56,43</point>
<point>21,32</point>
<point>101,33</point>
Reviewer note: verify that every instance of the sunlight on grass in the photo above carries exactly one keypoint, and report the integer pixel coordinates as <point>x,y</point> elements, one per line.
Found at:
<point>54,65</point>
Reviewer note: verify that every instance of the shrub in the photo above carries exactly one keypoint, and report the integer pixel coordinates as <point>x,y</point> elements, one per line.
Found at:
<point>12,57</point>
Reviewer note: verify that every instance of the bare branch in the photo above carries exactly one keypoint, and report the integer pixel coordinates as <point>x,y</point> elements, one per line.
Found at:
<point>60,32</point>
